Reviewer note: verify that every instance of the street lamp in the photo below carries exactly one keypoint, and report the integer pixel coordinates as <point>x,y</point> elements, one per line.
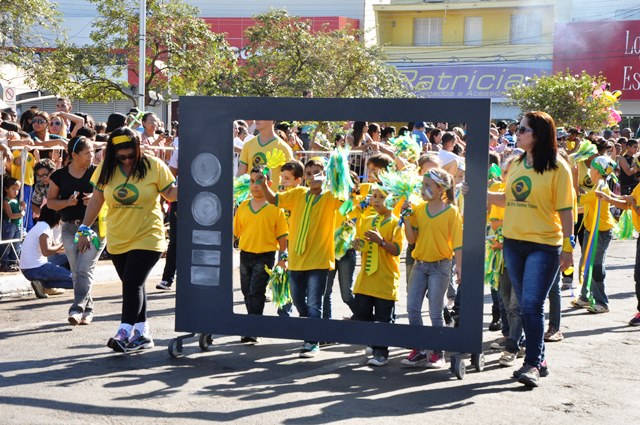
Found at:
<point>142,54</point>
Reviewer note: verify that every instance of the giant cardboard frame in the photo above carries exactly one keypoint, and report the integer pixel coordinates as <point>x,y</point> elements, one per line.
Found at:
<point>204,298</point>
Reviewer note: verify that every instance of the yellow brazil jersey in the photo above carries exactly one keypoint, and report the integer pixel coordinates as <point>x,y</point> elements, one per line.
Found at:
<point>135,218</point>
<point>254,152</point>
<point>383,283</point>
<point>439,235</point>
<point>311,228</point>
<point>259,230</point>
<point>590,201</point>
<point>16,170</point>
<point>533,201</point>
<point>636,219</point>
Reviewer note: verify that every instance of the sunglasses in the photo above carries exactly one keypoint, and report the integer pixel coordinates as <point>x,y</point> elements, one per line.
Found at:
<point>522,129</point>
<point>39,121</point>
<point>56,123</point>
<point>132,155</point>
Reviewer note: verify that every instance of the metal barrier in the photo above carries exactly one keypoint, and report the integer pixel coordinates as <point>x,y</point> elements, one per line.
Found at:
<point>9,244</point>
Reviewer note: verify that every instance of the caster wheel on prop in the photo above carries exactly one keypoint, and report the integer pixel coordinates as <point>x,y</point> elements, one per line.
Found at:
<point>175,348</point>
<point>478,361</point>
<point>458,368</point>
<point>205,341</point>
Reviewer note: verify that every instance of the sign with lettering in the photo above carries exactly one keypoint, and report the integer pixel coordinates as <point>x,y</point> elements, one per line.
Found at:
<point>470,81</point>
<point>608,47</point>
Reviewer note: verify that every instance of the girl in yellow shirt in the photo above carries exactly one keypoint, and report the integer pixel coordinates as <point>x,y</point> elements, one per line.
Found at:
<point>436,230</point>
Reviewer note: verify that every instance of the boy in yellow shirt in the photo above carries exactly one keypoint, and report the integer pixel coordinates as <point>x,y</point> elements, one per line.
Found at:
<point>380,239</point>
<point>311,240</point>
<point>633,201</point>
<point>261,229</point>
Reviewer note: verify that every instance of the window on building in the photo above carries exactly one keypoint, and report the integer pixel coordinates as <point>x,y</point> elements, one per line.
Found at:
<point>473,31</point>
<point>427,32</point>
<point>526,28</point>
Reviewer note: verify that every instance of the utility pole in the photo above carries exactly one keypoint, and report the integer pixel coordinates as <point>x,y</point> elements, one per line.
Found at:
<point>143,53</point>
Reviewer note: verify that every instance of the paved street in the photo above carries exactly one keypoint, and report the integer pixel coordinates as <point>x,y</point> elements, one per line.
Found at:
<point>52,373</point>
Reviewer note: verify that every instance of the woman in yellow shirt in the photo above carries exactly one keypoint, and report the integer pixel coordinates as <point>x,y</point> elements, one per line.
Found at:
<point>537,229</point>
<point>130,183</point>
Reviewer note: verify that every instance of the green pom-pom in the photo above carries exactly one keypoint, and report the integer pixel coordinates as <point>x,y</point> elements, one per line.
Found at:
<point>241,188</point>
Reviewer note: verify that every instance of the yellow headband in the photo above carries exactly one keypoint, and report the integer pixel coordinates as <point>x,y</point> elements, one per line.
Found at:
<point>121,139</point>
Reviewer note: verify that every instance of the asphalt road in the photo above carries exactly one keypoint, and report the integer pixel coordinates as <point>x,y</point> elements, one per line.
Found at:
<point>52,373</point>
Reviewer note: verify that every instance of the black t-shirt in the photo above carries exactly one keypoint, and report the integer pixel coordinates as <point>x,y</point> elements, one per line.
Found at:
<point>68,184</point>
<point>626,180</point>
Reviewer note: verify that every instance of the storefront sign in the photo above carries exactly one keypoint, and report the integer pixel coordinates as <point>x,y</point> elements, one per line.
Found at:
<point>608,47</point>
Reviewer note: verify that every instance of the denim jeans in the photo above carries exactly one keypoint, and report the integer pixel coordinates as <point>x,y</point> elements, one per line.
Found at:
<point>82,266</point>
<point>598,287</point>
<point>514,338</point>
<point>409,261</point>
<point>532,268</point>
<point>555,308</point>
<point>307,291</point>
<point>372,309</point>
<point>432,279</point>
<point>254,279</point>
<point>51,276</point>
<point>636,273</point>
<point>10,231</point>
<point>345,267</point>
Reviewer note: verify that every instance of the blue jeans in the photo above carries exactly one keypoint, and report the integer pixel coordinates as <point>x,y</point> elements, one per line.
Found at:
<point>10,231</point>
<point>51,276</point>
<point>307,291</point>
<point>514,338</point>
<point>532,268</point>
<point>430,279</point>
<point>598,287</point>
<point>555,308</point>
<point>345,267</point>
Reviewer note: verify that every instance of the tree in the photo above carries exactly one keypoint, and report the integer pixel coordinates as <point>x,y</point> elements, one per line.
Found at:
<point>287,58</point>
<point>580,101</point>
<point>22,25</point>
<point>183,55</point>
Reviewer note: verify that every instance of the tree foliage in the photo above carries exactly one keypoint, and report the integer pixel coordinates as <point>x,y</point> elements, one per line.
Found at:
<point>22,26</point>
<point>580,101</point>
<point>183,55</point>
<point>286,57</point>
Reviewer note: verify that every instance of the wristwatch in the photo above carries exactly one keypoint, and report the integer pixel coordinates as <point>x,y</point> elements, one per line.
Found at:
<point>383,243</point>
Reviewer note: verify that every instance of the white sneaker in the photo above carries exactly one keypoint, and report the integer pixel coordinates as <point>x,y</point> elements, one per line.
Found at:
<point>75,318</point>
<point>507,359</point>
<point>436,361</point>
<point>378,361</point>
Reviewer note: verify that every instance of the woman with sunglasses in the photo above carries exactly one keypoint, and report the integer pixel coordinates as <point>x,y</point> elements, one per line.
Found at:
<point>69,192</point>
<point>537,229</point>
<point>42,136</point>
<point>130,182</point>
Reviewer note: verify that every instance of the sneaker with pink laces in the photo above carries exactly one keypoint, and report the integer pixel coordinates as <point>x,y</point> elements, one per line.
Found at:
<point>415,358</point>
<point>635,320</point>
<point>436,361</point>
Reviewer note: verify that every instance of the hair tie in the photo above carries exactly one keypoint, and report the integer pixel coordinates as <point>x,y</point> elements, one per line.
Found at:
<point>74,145</point>
<point>121,139</point>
